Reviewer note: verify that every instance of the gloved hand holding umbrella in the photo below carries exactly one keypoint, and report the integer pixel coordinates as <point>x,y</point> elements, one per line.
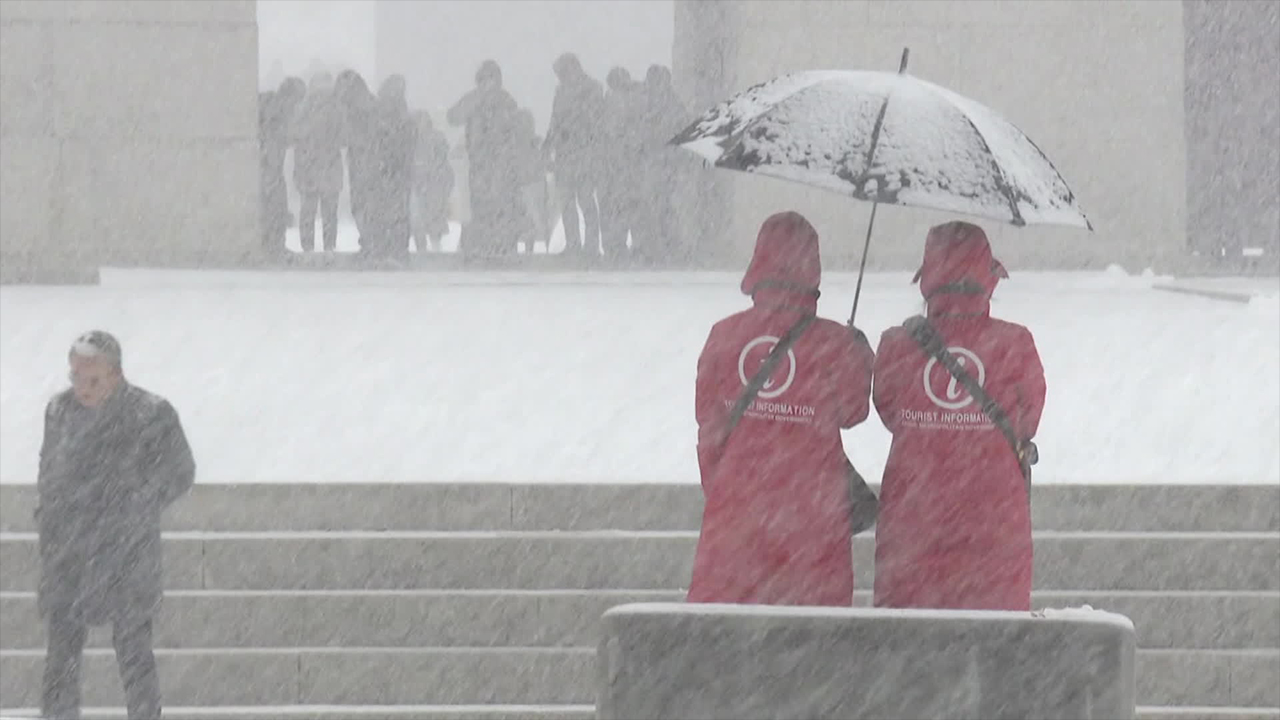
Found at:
<point>885,138</point>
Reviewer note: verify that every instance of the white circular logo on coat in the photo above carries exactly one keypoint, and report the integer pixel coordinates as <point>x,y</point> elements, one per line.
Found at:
<point>767,390</point>
<point>956,396</point>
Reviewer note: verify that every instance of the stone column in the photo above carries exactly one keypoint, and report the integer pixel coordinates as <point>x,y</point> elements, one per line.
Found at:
<point>128,136</point>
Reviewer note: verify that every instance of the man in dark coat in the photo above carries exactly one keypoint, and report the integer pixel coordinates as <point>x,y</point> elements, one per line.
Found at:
<point>621,145</point>
<point>391,179</point>
<point>659,222</point>
<point>572,146</point>
<point>491,118</point>
<point>357,107</point>
<point>275,116</point>
<point>317,163</point>
<point>114,456</point>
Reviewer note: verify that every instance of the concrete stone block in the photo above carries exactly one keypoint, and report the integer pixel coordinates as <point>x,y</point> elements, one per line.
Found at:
<point>1165,620</point>
<point>606,507</point>
<point>206,677</point>
<point>124,80</point>
<point>1204,561</point>
<point>449,561</point>
<point>671,660</point>
<point>1255,678</point>
<point>655,506</point>
<point>1156,508</point>
<point>638,561</point>
<point>204,207</point>
<point>1171,677</point>
<point>296,507</point>
<point>492,618</point>
<point>205,12</point>
<point>25,74</point>
<point>21,562</point>
<point>462,676</point>
<point>300,507</point>
<point>28,178</point>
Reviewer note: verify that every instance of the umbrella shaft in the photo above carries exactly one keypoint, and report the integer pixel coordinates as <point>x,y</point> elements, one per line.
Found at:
<point>862,267</point>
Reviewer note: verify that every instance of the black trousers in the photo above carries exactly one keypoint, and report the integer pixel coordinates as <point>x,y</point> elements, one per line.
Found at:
<point>328,206</point>
<point>134,656</point>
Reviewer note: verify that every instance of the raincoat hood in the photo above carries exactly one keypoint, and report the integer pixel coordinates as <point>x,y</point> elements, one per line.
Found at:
<point>786,257</point>
<point>958,261</point>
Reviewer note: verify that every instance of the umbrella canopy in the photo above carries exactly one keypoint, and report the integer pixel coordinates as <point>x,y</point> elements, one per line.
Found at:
<point>886,138</point>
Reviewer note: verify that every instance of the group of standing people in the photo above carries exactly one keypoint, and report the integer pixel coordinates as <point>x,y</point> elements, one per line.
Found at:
<point>396,166</point>
<point>954,524</point>
<point>606,150</point>
<point>605,147</point>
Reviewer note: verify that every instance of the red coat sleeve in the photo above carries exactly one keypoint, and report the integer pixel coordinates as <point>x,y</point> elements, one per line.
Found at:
<point>1030,387</point>
<point>710,417</point>
<point>890,382</point>
<point>853,379</point>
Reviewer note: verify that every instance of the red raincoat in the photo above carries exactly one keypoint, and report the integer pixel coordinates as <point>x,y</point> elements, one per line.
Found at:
<point>954,529</point>
<point>775,527</point>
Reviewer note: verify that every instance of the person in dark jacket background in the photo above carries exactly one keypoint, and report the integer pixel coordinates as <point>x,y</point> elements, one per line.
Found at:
<point>660,223</point>
<point>356,105</point>
<point>432,185</point>
<point>317,163</point>
<point>113,457</point>
<point>391,173</point>
<point>620,146</point>
<point>491,118</point>
<point>571,146</point>
<point>275,117</point>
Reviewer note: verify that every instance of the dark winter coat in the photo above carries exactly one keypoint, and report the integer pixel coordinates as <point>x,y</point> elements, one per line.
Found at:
<point>317,149</point>
<point>576,114</point>
<point>106,475</point>
<point>274,117</point>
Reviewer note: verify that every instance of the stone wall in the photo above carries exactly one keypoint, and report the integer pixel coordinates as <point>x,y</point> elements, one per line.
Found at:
<point>128,135</point>
<point>1233,126</point>
<point>1098,86</point>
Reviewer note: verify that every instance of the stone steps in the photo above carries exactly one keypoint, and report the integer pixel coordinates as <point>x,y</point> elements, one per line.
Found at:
<point>637,560</point>
<point>541,676</point>
<point>460,600</point>
<point>528,712</point>
<point>497,618</point>
<point>652,506</point>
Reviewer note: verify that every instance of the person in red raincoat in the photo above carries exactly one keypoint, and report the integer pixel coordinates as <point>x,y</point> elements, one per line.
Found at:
<point>954,529</point>
<point>775,525</point>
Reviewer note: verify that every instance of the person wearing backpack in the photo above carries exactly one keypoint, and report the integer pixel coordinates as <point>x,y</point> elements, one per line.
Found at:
<point>775,386</point>
<point>962,394</point>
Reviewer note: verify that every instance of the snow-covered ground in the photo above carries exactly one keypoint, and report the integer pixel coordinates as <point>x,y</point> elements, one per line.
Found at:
<point>321,377</point>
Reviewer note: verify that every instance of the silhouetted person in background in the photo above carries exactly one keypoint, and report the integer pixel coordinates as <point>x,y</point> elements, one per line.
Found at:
<point>356,103</point>
<point>531,167</point>
<point>619,190</point>
<point>275,116</point>
<point>489,114</point>
<point>660,232</point>
<point>391,172</point>
<point>432,185</point>
<point>571,145</point>
<point>317,163</point>
<point>113,457</point>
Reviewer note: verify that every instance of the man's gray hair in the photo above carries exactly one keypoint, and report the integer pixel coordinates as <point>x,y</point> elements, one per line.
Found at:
<point>97,343</point>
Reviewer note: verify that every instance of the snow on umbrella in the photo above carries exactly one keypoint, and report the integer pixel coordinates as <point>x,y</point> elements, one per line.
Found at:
<point>886,138</point>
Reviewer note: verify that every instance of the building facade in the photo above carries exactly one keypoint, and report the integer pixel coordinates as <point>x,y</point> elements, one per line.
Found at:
<point>128,135</point>
<point>1124,96</point>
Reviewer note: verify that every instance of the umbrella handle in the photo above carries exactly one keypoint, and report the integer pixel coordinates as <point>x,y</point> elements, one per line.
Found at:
<point>862,267</point>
